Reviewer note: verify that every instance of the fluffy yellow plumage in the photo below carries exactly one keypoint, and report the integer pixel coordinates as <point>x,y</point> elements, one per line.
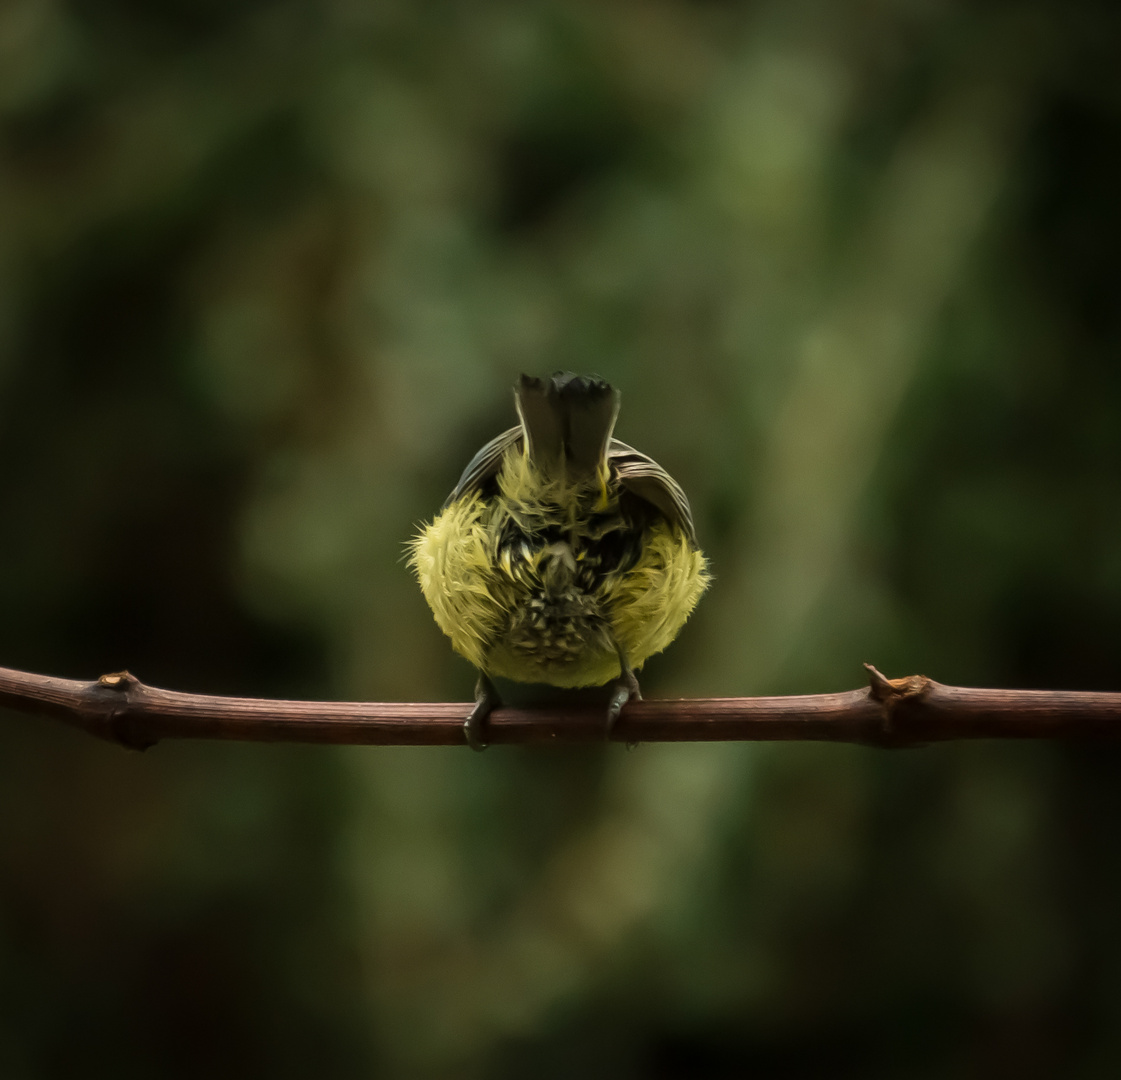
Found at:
<point>563,556</point>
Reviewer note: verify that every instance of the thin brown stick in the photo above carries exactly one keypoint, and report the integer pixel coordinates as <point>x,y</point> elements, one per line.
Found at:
<point>887,713</point>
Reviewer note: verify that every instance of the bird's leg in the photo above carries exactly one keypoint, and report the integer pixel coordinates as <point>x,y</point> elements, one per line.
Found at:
<point>486,699</point>
<point>625,688</point>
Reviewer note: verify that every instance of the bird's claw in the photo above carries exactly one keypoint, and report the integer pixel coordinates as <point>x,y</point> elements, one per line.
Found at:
<point>623,689</point>
<point>486,699</point>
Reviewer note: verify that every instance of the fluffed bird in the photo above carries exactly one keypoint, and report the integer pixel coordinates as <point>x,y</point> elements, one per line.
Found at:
<point>563,556</point>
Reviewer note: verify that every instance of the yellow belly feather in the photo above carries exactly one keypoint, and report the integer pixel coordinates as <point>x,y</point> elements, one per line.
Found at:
<point>472,595</point>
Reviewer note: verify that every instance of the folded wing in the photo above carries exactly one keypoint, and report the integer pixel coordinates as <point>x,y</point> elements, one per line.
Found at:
<point>639,474</point>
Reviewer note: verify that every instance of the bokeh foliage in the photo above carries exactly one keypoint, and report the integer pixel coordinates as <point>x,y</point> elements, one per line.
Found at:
<point>269,268</point>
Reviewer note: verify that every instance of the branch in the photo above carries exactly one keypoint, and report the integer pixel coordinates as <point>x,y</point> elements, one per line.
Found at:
<point>888,713</point>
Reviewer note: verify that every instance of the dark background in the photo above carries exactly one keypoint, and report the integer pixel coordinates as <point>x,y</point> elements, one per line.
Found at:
<point>268,269</point>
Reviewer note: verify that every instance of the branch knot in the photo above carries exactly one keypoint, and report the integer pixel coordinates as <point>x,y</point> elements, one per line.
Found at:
<point>123,725</point>
<point>893,696</point>
<point>118,680</point>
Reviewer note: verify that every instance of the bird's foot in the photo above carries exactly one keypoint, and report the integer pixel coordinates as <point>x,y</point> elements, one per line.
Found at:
<point>623,689</point>
<point>486,699</point>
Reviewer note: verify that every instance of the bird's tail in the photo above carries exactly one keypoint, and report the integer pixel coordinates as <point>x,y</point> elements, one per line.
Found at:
<point>568,421</point>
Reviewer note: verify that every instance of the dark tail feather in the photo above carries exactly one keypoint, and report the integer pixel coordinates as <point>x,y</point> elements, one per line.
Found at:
<point>542,420</point>
<point>568,421</point>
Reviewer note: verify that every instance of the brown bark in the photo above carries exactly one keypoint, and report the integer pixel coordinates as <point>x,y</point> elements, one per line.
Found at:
<point>888,713</point>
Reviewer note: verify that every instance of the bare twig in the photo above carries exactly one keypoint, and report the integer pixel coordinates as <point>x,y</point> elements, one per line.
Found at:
<point>888,713</point>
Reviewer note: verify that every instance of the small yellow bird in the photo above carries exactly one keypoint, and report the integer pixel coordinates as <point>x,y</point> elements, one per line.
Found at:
<point>563,556</point>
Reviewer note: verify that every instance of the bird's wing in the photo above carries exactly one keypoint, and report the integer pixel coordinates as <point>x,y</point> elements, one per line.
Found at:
<point>649,481</point>
<point>639,474</point>
<point>485,463</point>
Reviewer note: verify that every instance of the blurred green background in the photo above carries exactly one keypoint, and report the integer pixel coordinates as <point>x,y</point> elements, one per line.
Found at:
<point>268,269</point>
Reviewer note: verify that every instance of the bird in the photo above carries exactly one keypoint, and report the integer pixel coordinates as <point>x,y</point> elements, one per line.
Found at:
<point>562,556</point>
